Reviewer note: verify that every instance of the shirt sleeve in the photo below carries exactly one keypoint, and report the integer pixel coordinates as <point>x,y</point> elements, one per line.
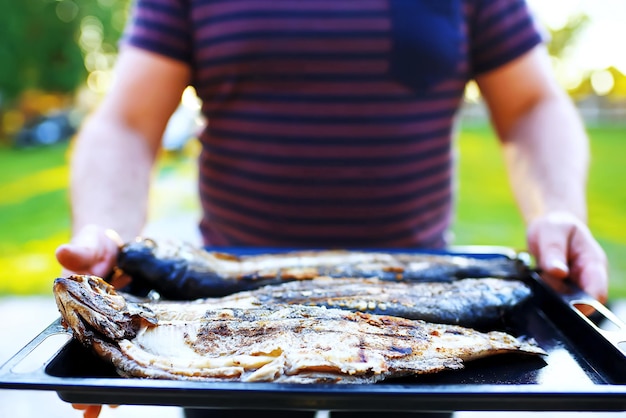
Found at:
<point>500,31</point>
<point>162,27</point>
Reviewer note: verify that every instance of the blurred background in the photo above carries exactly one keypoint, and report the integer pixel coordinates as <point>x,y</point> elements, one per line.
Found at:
<point>56,58</point>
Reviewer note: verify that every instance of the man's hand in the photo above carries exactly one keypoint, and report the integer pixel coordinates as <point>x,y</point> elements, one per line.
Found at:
<point>93,250</point>
<point>90,411</point>
<point>564,247</point>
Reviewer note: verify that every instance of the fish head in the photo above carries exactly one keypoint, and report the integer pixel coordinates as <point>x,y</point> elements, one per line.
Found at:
<point>91,308</point>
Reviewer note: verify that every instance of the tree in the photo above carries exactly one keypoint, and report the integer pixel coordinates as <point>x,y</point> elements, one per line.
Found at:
<point>41,46</point>
<point>37,49</point>
<point>564,37</point>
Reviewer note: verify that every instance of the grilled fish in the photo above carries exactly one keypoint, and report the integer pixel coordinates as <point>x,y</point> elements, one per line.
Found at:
<point>281,343</point>
<point>180,271</point>
<point>467,302</point>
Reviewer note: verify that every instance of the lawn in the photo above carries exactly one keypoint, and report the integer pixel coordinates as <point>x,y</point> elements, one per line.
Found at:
<point>34,211</point>
<point>34,217</point>
<point>487,213</point>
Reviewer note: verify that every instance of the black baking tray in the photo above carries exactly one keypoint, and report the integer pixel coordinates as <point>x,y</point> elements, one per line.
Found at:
<point>584,370</point>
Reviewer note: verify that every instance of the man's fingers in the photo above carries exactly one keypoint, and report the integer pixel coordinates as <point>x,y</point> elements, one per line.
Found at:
<point>89,411</point>
<point>76,258</point>
<point>114,237</point>
<point>92,411</point>
<point>564,247</point>
<point>594,279</point>
<point>549,242</point>
<point>554,264</point>
<point>589,264</point>
<point>93,250</point>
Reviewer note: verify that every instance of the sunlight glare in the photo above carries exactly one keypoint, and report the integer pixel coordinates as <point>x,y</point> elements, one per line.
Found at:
<point>91,33</point>
<point>602,82</point>
<point>190,99</point>
<point>569,76</point>
<point>472,92</point>
<point>554,13</point>
<point>99,81</point>
<point>598,46</point>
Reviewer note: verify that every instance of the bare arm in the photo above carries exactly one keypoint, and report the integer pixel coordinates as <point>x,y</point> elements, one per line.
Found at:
<point>543,139</point>
<point>547,155</point>
<point>112,161</point>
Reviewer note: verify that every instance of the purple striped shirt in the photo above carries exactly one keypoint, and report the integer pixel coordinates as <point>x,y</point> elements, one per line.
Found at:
<point>331,121</point>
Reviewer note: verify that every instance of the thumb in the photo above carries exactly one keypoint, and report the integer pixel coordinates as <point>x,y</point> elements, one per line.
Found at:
<point>92,251</point>
<point>76,258</point>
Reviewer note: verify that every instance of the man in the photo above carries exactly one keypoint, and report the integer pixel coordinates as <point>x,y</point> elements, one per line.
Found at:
<point>331,124</point>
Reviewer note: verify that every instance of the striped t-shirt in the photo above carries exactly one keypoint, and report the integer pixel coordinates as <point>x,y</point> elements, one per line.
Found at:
<point>330,122</point>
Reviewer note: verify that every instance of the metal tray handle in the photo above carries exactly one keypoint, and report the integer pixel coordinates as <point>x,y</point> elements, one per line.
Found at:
<point>617,337</point>
<point>578,300</point>
<point>13,364</point>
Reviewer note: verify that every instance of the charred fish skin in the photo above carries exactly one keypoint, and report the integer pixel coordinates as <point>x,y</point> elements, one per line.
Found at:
<point>290,344</point>
<point>476,303</point>
<point>480,303</point>
<point>182,272</point>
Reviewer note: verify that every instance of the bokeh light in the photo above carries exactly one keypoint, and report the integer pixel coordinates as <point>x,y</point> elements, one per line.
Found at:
<point>602,82</point>
<point>67,10</point>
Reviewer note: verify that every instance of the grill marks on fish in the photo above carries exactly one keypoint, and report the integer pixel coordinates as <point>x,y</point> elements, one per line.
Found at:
<point>281,343</point>
<point>181,271</point>
<point>467,302</point>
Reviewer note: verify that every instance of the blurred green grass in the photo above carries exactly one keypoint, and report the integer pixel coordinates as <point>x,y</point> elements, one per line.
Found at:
<point>35,215</point>
<point>487,214</point>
